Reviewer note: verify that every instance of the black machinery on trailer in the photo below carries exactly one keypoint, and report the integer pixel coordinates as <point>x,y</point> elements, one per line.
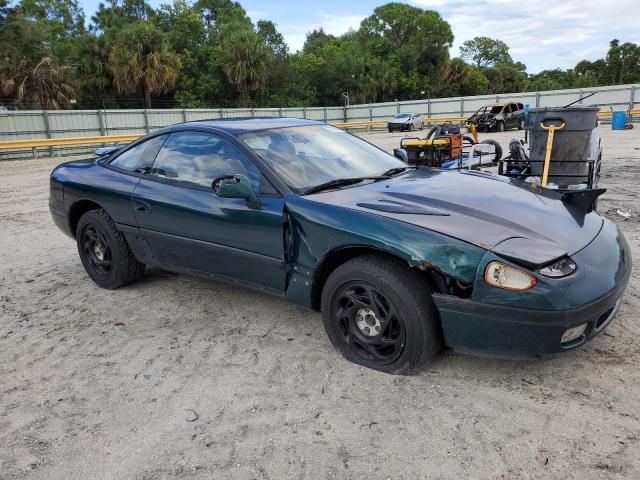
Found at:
<point>565,152</point>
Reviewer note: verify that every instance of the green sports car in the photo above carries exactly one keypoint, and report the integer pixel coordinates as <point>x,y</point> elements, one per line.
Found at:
<point>401,260</point>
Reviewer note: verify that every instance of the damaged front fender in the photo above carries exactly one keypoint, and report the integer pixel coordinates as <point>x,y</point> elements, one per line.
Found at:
<point>319,232</point>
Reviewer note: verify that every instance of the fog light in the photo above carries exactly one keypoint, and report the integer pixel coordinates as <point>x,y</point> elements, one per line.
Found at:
<point>572,333</point>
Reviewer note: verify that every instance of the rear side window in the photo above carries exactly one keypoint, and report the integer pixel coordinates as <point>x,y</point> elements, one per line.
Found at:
<point>139,158</point>
<point>199,158</point>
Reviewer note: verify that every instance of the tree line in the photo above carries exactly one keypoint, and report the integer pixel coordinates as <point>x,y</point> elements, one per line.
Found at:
<point>209,53</point>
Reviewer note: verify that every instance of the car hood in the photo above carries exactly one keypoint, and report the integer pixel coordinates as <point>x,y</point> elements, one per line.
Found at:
<point>526,224</point>
<point>398,120</point>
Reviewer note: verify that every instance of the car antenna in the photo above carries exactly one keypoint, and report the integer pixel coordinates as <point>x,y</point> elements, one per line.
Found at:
<point>580,99</point>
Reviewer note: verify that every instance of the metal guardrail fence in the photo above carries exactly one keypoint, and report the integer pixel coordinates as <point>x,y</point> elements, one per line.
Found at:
<point>67,130</point>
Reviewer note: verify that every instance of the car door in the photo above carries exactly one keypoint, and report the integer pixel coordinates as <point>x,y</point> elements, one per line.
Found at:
<point>508,117</point>
<point>186,225</point>
<point>123,172</point>
<point>513,116</point>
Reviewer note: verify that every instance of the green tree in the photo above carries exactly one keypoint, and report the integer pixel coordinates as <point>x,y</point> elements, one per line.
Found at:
<point>462,79</point>
<point>30,75</point>
<point>245,62</point>
<point>414,39</point>
<point>485,52</point>
<point>506,77</point>
<point>140,60</point>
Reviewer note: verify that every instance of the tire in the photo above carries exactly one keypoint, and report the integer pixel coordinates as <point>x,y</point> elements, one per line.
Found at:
<point>500,127</point>
<point>104,252</point>
<point>410,128</point>
<point>390,130</point>
<point>521,124</point>
<point>497,147</point>
<point>421,126</point>
<point>469,139</point>
<point>356,297</point>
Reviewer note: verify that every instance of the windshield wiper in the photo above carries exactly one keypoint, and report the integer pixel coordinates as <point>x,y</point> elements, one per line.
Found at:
<point>342,182</point>
<point>397,170</point>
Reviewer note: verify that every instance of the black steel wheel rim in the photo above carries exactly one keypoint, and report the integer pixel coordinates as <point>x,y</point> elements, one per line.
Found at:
<point>97,252</point>
<point>368,323</point>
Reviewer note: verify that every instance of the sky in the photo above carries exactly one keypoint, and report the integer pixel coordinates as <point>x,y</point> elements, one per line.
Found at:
<point>542,35</point>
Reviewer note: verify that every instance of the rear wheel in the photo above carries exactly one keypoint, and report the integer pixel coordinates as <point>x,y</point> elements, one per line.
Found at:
<point>500,127</point>
<point>104,252</point>
<point>380,314</point>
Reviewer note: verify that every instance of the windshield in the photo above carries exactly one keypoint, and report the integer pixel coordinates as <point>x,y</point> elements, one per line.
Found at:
<point>402,115</point>
<point>495,109</point>
<point>311,155</point>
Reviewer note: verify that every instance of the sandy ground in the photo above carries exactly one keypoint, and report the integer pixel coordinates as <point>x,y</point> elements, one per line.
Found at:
<point>176,377</point>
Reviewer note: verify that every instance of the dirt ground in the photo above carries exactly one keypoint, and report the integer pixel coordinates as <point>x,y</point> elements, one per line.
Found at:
<point>176,377</point>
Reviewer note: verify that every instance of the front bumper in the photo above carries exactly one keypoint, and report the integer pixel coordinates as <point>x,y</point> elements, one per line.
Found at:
<point>398,126</point>
<point>591,296</point>
<point>501,331</point>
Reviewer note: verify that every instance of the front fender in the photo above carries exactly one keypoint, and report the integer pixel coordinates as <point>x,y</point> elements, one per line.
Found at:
<point>318,229</point>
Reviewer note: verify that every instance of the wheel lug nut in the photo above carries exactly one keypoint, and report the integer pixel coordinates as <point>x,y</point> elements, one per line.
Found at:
<point>366,329</point>
<point>377,328</point>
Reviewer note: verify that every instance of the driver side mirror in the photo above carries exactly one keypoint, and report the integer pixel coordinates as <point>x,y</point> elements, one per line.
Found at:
<point>235,186</point>
<point>401,154</point>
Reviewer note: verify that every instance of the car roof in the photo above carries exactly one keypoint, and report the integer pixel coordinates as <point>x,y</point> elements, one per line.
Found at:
<point>236,126</point>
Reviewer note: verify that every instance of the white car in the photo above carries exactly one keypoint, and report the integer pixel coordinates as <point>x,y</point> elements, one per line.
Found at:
<point>405,121</point>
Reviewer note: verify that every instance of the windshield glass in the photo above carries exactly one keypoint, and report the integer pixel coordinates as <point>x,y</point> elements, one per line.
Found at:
<point>402,115</point>
<point>496,109</point>
<point>314,154</point>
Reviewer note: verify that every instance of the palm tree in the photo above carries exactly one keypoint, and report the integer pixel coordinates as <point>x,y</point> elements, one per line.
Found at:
<point>246,62</point>
<point>141,60</point>
<point>43,84</point>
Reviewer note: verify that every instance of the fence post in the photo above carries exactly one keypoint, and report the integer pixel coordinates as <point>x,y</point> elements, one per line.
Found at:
<point>220,113</point>
<point>537,99</point>
<point>429,107</point>
<point>370,113</point>
<point>581,95</point>
<point>184,114</point>
<point>397,107</point>
<point>280,111</point>
<point>462,107</point>
<point>324,114</point>
<point>344,114</point>
<point>47,127</point>
<point>253,112</point>
<point>146,121</point>
<point>497,98</point>
<point>101,122</point>
<point>632,97</point>
<point>304,112</point>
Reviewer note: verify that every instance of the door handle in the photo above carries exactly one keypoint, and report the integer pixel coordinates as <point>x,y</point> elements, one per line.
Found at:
<point>141,207</point>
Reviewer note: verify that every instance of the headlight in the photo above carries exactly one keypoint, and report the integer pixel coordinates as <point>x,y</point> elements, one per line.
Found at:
<point>562,268</point>
<point>499,275</point>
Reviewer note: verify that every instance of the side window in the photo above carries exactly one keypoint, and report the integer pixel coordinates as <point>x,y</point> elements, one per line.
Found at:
<point>139,158</point>
<point>200,157</point>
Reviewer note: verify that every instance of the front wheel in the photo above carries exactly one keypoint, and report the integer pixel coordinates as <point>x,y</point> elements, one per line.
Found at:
<point>521,125</point>
<point>380,314</point>
<point>500,127</point>
<point>104,252</point>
